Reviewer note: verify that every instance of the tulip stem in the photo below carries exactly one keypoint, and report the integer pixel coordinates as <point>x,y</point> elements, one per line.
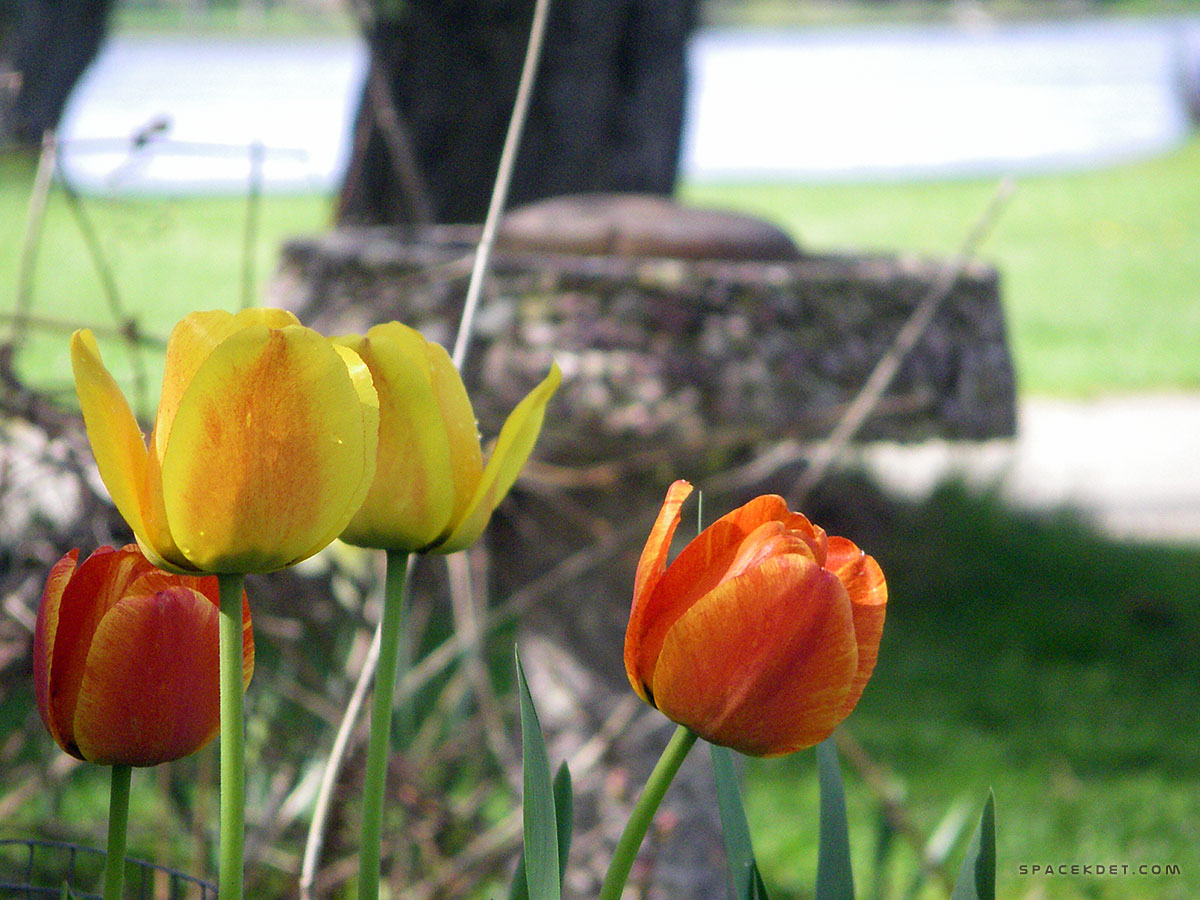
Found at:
<point>118,827</point>
<point>643,812</point>
<point>391,628</point>
<point>233,741</point>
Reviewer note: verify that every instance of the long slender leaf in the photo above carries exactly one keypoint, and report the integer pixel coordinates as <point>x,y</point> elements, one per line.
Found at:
<point>977,877</point>
<point>564,812</point>
<point>743,869</point>
<point>564,808</point>
<point>835,880</point>
<point>541,854</point>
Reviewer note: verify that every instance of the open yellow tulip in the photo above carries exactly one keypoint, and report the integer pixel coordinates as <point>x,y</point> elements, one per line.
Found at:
<point>263,447</point>
<point>432,492</point>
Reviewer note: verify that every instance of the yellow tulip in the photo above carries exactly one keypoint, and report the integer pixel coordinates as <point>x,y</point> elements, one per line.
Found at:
<point>262,450</point>
<point>432,491</point>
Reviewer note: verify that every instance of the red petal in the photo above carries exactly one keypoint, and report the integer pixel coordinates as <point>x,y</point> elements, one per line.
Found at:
<point>150,692</point>
<point>44,636</point>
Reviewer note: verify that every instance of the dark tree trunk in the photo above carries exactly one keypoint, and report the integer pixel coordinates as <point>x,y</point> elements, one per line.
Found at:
<point>606,115</point>
<point>51,43</point>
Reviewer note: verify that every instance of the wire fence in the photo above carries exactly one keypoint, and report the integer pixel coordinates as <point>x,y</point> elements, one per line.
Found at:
<point>39,868</point>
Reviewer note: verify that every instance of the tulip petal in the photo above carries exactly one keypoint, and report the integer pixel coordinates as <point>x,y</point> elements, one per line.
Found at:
<point>513,446</point>
<point>269,444</point>
<point>44,638</point>
<point>113,432</point>
<point>155,580</point>
<point>411,499</point>
<point>865,585</point>
<point>651,565</point>
<point>368,407</point>
<point>192,339</point>
<point>763,662</point>
<point>703,564</point>
<point>460,427</point>
<point>124,717</point>
<point>91,590</point>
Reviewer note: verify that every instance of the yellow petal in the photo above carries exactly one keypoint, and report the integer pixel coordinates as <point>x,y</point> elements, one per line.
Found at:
<point>368,400</point>
<point>192,339</point>
<point>412,496</point>
<point>517,437</point>
<point>462,431</point>
<point>269,446</point>
<point>120,451</point>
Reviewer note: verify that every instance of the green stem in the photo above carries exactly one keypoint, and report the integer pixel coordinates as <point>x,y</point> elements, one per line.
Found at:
<point>643,813</point>
<point>391,629</point>
<point>118,827</point>
<point>233,742</point>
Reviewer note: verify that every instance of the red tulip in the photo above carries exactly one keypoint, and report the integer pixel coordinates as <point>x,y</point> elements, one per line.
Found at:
<point>125,659</point>
<point>763,632</point>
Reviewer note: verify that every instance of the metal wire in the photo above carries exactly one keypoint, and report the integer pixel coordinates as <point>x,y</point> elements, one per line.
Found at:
<point>32,868</point>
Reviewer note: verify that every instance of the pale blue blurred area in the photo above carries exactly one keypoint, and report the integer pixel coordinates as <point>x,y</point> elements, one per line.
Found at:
<point>811,104</point>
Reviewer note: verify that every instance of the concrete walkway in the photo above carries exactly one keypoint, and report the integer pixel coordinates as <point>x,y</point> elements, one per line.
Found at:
<point>1131,464</point>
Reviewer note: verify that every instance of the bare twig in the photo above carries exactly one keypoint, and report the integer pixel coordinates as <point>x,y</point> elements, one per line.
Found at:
<point>47,163</point>
<point>333,767</point>
<point>468,622</point>
<point>125,325</point>
<point>883,373</point>
<point>508,158</point>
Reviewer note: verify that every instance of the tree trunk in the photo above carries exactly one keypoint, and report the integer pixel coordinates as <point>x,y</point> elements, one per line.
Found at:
<point>606,115</point>
<point>51,45</point>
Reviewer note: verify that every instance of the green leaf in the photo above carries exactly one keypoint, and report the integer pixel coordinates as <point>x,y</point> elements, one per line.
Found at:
<point>977,877</point>
<point>541,853</point>
<point>564,809</point>
<point>743,869</point>
<point>835,880</point>
<point>564,812</point>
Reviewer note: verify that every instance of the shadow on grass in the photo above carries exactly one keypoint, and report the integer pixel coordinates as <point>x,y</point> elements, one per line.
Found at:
<point>1031,654</point>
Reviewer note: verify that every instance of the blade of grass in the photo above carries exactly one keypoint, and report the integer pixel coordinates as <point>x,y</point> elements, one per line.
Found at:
<point>977,877</point>
<point>541,853</point>
<point>564,811</point>
<point>743,868</point>
<point>835,880</point>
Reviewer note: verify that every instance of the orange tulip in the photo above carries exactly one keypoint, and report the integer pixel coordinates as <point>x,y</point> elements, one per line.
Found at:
<point>125,659</point>
<point>262,450</point>
<point>763,632</point>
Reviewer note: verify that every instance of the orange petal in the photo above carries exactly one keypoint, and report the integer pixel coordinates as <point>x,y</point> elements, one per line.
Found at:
<point>269,445</point>
<point>411,499</point>
<point>650,570</point>
<point>865,585</point>
<point>763,662</point>
<point>703,564</point>
<point>513,446</point>
<point>150,692</point>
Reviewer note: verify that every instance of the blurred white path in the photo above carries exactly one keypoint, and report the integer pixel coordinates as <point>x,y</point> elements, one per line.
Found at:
<point>1131,463</point>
